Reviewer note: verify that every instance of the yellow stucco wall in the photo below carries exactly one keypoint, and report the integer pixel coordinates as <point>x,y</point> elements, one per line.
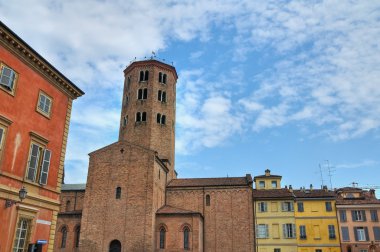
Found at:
<point>274,217</point>
<point>316,220</point>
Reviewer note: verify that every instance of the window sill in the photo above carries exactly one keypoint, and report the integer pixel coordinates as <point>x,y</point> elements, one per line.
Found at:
<point>7,90</point>
<point>47,116</point>
<point>140,123</point>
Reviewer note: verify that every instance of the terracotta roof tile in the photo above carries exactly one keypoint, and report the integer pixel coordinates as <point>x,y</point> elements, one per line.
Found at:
<point>272,193</point>
<point>315,193</point>
<point>201,182</point>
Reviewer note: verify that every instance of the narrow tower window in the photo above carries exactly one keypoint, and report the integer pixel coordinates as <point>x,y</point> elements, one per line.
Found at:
<point>77,236</point>
<point>161,96</point>
<point>118,192</point>
<point>143,118</point>
<point>161,119</point>
<point>186,233</point>
<point>142,94</point>
<point>162,237</point>
<point>159,77</point>
<point>138,117</point>
<point>141,76</point>
<point>68,206</point>
<point>164,78</point>
<point>146,77</point>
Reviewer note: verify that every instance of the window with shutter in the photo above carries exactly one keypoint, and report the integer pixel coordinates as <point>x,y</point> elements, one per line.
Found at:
<point>376,233</point>
<point>374,216</point>
<point>8,79</point>
<point>38,163</point>
<point>331,229</point>
<point>45,167</point>
<point>2,138</point>
<point>343,216</point>
<point>300,206</point>
<point>345,234</point>
<point>328,206</point>
<point>302,232</point>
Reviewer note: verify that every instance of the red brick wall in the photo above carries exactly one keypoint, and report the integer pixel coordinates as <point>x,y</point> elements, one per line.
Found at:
<point>228,221</point>
<point>174,226</point>
<point>129,219</point>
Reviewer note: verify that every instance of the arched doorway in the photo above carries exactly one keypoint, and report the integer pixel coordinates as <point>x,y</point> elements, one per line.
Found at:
<point>115,246</point>
<point>349,249</point>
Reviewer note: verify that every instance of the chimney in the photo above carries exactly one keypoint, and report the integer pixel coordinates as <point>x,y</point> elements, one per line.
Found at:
<point>311,187</point>
<point>372,193</point>
<point>325,188</point>
<point>286,187</point>
<point>290,188</point>
<point>267,172</point>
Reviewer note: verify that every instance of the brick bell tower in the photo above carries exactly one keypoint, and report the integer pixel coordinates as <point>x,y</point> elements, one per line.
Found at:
<point>127,180</point>
<point>148,108</point>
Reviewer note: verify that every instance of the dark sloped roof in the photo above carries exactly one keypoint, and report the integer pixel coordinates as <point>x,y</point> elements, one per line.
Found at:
<point>73,187</point>
<point>203,182</point>
<point>272,193</point>
<point>174,210</point>
<point>349,189</point>
<point>315,193</point>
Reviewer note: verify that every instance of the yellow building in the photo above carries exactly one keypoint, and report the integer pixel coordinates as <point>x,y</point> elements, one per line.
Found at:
<point>316,221</point>
<point>274,215</point>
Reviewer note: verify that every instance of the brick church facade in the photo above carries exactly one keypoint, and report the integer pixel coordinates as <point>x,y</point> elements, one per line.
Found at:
<point>133,200</point>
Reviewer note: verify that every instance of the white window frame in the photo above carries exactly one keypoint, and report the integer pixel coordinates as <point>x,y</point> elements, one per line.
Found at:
<point>261,184</point>
<point>262,231</point>
<point>289,230</point>
<point>22,233</point>
<point>360,232</point>
<point>287,206</point>
<point>43,95</point>
<point>263,207</point>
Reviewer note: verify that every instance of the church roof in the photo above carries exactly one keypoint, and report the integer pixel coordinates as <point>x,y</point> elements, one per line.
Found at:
<point>174,210</point>
<point>202,182</point>
<point>73,187</point>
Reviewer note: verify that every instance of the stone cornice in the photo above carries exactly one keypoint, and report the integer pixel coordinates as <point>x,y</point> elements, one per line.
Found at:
<point>150,62</point>
<point>20,48</point>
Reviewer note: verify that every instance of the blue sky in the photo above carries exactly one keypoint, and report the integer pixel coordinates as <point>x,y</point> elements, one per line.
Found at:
<point>284,85</point>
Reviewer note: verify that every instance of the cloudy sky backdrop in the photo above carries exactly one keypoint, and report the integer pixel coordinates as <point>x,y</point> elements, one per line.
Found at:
<point>284,85</point>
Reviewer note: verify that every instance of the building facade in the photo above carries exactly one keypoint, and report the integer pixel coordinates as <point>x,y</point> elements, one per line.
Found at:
<point>35,108</point>
<point>316,221</point>
<point>274,215</point>
<point>358,212</point>
<point>133,200</point>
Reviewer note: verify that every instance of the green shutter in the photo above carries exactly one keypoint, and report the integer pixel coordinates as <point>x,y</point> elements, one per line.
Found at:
<point>34,157</point>
<point>356,233</point>
<point>45,167</point>
<point>376,233</point>
<point>366,233</point>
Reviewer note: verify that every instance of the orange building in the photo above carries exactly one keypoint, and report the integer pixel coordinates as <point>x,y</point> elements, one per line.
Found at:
<point>35,108</point>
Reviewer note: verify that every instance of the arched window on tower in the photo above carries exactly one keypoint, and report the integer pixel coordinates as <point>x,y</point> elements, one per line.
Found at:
<point>64,237</point>
<point>143,117</point>
<point>125,120</point>
<point>138,117</point>
<point>141,76</point>
<point>161,96</point>
<point>186,237</point>
<point>146,76</point>
<point>163,119</point>
<point>164,78</point>
<point>160,77</point>
<point>162,237</point>
<point>118,192</point>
